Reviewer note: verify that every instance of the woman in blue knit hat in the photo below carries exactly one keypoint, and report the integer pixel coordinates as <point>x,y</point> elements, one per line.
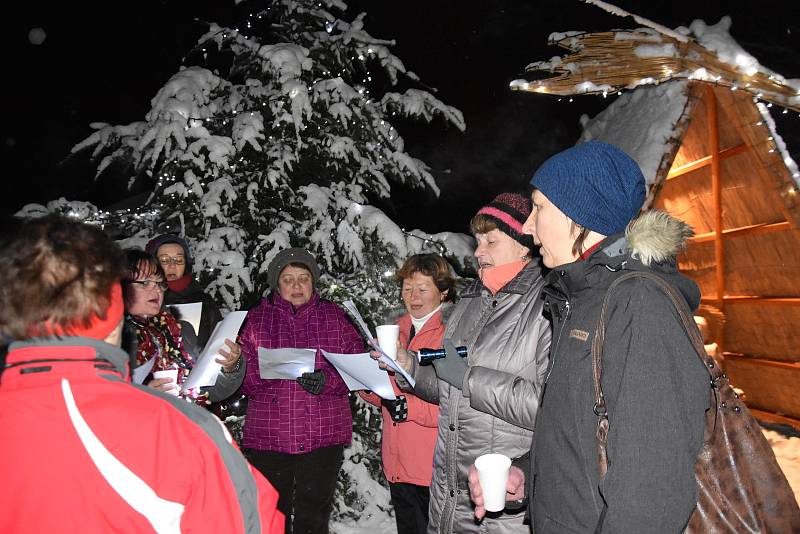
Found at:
<point>587,225</point>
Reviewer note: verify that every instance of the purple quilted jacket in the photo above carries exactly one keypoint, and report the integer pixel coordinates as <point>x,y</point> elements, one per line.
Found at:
<point>281,415</point>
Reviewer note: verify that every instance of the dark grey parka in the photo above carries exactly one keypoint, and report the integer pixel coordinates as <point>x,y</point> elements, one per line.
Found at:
<point>656,390</point>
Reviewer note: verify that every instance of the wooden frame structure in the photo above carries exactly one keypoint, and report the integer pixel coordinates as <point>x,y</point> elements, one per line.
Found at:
<point>721,170</point>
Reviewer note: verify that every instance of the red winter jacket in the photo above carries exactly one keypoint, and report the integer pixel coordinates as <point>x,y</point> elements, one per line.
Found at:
<point>86,451</point>
<point>407,447</point>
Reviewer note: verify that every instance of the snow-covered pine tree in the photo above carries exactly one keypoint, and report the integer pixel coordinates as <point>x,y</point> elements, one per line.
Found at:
<point>274,134</point>
<point>279,132</point>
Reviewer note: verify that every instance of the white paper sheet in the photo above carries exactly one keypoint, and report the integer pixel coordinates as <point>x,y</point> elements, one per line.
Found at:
<point>206,369</point>
<point>190,313</point>
<point>140,373</point>
<point>360,371</point>
<point>351,307</point>
<point>285,364</point>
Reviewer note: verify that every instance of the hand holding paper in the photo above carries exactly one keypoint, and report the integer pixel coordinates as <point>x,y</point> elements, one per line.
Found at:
<point>360,372</point>
<point>207,368</point>
<point>230,357</point>
<point>389,362</point>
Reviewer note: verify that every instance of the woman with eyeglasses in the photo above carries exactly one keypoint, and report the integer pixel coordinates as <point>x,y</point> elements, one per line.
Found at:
<point>161,337</point>
<point>173,253</point>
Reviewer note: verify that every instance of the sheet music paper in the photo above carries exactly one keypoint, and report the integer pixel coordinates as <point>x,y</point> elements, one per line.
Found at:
<point>351,307</point>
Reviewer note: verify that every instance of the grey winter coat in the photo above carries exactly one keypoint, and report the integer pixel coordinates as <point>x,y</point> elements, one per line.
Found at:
<point>656,392</point>
<point>508,341</point>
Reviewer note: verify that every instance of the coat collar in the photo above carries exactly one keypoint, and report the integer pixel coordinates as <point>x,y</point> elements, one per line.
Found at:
<point>519,285</point>
<point>284,305</point>
<point>20,353</point>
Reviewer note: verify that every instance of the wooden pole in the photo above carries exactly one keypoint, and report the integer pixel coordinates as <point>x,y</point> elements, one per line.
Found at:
<point>716,194</point>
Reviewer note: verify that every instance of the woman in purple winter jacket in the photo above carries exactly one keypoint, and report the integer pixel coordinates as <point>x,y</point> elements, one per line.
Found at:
<point>295,431</point>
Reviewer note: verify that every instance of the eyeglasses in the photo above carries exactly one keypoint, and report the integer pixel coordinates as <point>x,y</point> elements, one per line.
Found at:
<point>149,284</point>
<point>166,260</point>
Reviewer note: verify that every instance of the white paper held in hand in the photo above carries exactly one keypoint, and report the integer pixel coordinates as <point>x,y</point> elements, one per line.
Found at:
<point>206,369</point>
<point>285,364</point>
<point>360,371</point>
<point>493,476</point>
<point>190,312</point>
<point>138,374</point>
<point>351,307</point>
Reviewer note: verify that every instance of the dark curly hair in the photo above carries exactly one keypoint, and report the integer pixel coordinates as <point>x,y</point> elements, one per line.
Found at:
<point>55,272</point>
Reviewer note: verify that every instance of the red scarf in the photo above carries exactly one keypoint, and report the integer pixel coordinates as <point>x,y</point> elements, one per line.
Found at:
<point>589,251</point>
<point>494,278</point>
<point>179,284</point>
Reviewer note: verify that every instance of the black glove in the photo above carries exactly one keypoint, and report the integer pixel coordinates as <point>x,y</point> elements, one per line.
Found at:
<point>312,382</point>
<point>398,408</point>
<point>452,367</point>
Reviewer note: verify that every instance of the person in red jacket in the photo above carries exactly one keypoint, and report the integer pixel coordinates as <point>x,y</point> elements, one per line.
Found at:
<point>83,449</point>
<point>410,423</point>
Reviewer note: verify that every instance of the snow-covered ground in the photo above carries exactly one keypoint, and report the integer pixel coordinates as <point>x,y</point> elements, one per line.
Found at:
<point>787,451</point>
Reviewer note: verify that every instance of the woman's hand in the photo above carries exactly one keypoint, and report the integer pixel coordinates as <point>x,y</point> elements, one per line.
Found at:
<point>403,357</point>
<point>515,488</point>
<point>165,385</point>
<point>229,358</point>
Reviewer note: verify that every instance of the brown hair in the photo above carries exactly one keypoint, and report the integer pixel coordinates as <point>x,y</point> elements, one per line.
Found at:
<point>55,272</point>
<point>482,224</point>
<point>578,246</point>
<point>431,265</point>
<point>141,264</point>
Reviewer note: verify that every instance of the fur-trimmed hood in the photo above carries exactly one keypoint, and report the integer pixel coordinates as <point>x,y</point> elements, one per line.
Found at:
<point>651,242</point>
<point>657,237</point>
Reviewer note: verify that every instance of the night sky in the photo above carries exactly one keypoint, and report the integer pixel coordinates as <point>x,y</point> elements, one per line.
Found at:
<point>104,61</point>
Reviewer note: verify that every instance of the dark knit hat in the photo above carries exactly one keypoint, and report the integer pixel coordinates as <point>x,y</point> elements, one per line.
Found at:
<point>287,256</point>
<point>153,245</point>
<point>509,211</point>
<point>595,184</point>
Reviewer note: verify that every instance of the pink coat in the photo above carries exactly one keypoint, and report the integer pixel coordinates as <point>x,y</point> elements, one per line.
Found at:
<point>407,447</point>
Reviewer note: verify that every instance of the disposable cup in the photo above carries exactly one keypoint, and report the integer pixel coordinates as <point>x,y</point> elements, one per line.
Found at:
<point>169,373</point>
<point>493,476</point>
<point>387,339</point>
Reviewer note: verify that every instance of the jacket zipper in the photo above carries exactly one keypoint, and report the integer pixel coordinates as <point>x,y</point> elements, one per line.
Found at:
<point>554,350</point>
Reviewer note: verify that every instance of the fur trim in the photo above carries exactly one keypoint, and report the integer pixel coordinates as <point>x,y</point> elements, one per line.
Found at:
<point>657,237</point>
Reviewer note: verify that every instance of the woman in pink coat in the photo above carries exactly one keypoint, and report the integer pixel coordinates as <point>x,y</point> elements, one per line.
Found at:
<point>410,423</point>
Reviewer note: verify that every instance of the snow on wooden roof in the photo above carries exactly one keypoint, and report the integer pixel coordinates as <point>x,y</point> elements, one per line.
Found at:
<point>610,61</point>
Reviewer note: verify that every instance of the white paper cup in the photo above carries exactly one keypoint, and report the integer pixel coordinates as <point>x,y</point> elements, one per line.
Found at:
<point>387,339</point>
<point>493,476</point>
<point>169,373</point>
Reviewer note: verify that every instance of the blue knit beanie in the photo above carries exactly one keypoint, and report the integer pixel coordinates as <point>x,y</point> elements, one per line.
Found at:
<point>595,184</point>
